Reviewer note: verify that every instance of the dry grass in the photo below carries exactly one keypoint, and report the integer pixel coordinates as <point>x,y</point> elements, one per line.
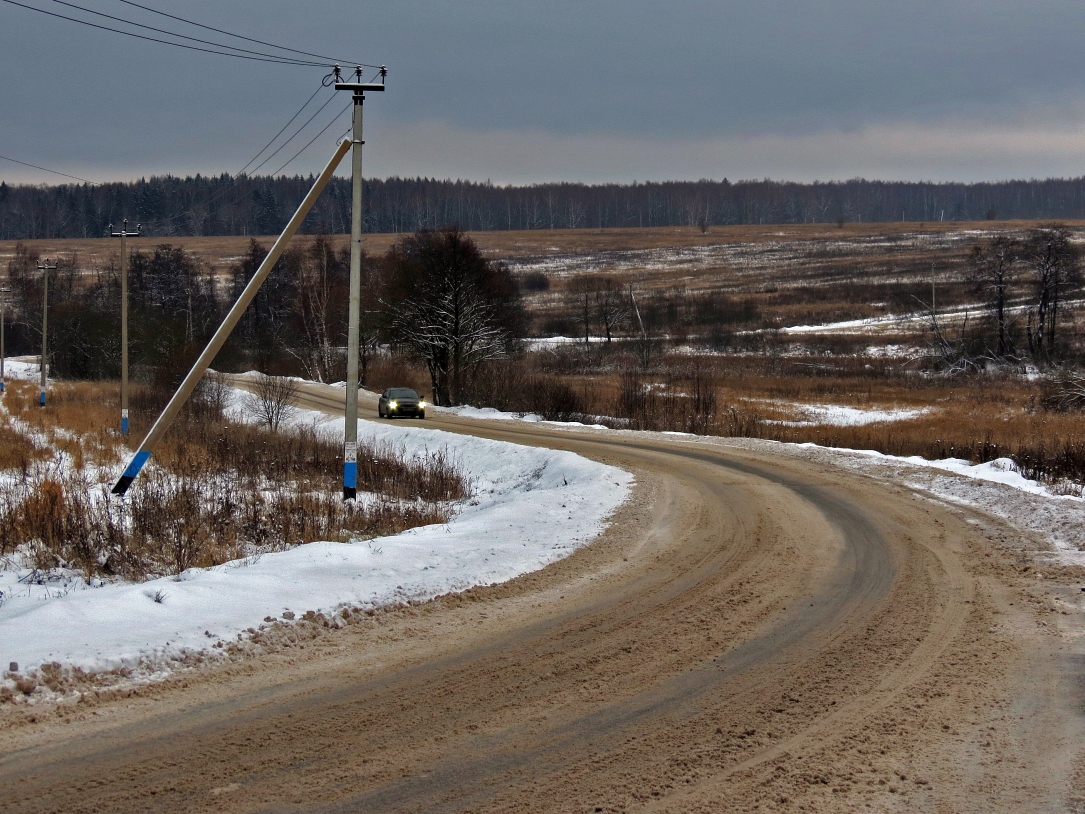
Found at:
<point>17,452</point>
<point>977,418</point>
<point>219,490</point>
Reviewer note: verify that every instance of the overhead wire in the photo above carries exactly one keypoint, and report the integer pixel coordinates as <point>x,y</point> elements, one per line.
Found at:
<point>272,141</point>
<point>181,36</point>
<point>295,135</point>
<point>46,169</point>
<point>222,193</point>
<point>220,49</point>
<point>278,60</point>
<point>314,138</point>
<point>240,37</point>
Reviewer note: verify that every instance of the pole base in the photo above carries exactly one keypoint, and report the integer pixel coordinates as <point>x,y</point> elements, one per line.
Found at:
<point>349,493</point>
<point>122,484</point>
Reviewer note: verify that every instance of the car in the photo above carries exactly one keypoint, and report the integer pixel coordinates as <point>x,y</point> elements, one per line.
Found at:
<point>396,402</point>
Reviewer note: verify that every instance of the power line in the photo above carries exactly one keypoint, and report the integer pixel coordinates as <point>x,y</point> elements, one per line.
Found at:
<point>247,39</point>
<point>280,61</point>
<point>314,138</point>
<point>272,141</point>
<point>295,135</point>
<point>182,36</point>
<point>46,169</point>
<point>217,196</point>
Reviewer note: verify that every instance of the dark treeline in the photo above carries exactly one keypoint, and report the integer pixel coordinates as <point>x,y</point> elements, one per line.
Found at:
<point>168,206</point>
<point>432,297</point>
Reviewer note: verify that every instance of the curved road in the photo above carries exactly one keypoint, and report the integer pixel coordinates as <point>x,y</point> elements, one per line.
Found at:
<point>754,632</point>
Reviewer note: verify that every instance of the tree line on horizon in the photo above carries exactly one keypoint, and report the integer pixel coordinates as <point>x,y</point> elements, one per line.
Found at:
<point>169,206</point>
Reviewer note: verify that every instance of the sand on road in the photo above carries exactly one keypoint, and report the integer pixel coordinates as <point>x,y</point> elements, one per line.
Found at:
<point>754,632</point>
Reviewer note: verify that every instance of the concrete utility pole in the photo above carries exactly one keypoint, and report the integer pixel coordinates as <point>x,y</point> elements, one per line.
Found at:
<point>3,304</point>
<point>214,345</point>
<point>124,234</point>
<point>350,436</point>
<point>45,268</point>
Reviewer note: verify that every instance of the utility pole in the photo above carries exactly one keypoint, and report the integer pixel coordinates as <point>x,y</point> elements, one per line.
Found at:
<point>3,304</point>
<point>124,234</point>
<point>45,267</point>
<point>214,345</point>
<point>350,436</point>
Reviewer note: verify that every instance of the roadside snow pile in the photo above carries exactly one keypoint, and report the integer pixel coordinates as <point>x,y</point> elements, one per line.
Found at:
<point>529,507</point>
<point>1050,523</point>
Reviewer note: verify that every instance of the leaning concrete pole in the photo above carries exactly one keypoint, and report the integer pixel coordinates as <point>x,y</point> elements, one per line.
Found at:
<point>162,423</point>
<point>350,434</point>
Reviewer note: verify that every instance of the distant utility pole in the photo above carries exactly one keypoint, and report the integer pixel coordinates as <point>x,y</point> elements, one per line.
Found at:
<point>3,303</point>
<point>350,439</point>
<point>124,234</point>
<point>45,268</point>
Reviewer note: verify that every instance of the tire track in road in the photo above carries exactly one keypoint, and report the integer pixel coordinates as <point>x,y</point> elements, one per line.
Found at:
<point>737,639</point>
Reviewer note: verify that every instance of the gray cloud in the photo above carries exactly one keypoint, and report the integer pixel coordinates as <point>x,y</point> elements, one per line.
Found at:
<point>589,90</point>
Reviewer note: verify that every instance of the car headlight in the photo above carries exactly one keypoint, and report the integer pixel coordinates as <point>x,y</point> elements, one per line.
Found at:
<point>422,404</point>
<point>393,404</point>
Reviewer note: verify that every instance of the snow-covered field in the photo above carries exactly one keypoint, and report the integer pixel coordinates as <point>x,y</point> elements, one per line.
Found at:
<point>529,507</point>
<point>840,415</point>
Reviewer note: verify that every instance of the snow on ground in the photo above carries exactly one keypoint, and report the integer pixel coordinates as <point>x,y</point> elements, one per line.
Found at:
<point>840,415</point>
<point>22,367</point>
<point>529,507</point>
<point>552,342</point>
<point>1050,523</point>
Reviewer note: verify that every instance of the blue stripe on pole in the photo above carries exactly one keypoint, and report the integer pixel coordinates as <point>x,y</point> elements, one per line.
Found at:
<point>42,398</point>
<point>138,460</point>
<point>350,475</point>
<point>124,425</point>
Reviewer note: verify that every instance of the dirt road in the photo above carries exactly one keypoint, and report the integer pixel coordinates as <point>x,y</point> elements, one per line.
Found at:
<point>754,632</point>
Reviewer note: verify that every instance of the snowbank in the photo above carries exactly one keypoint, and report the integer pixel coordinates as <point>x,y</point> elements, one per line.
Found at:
<point>529,508</point>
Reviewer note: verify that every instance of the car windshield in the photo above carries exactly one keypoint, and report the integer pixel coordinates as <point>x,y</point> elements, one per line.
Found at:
<point>402,393</point>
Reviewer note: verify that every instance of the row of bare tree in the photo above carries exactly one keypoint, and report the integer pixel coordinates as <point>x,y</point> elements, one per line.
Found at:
<point>433,295</point>
<point>1026,276</point>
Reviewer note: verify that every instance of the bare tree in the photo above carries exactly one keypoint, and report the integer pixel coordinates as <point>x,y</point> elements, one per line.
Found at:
<point>610,304</point>
<point>993,271</point>
<point>272,400</point>
<point>1054,263</point>
<point>581,294</point>
<point>450,307</point>
<point>212,394</point>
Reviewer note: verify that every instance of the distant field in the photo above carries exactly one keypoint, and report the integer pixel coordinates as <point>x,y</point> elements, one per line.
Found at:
<point>220,251</point>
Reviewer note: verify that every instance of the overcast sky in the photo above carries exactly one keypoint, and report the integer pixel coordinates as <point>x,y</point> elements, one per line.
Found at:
<point>584,90</point>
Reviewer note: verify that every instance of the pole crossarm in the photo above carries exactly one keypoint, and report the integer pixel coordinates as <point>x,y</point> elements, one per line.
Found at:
<point>163,422</point>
